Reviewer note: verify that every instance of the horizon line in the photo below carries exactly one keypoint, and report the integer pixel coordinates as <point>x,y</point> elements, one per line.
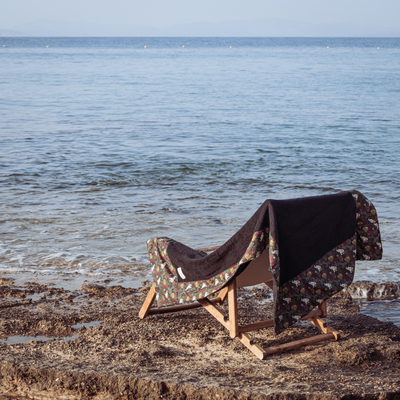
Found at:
<point>166,36</point>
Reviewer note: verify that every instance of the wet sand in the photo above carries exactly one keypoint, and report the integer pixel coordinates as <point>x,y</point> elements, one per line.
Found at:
<point>90,344</point>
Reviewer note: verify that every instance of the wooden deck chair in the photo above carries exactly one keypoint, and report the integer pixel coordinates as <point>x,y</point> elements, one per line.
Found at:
<point>257,272</point>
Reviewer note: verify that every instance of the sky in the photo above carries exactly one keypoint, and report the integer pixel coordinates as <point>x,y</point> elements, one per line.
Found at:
<point>165,13</point>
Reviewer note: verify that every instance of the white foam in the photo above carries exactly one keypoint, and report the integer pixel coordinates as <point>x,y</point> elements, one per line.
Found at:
<point>84,272</point>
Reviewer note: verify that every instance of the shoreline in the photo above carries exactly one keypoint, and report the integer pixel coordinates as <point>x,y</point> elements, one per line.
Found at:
<point>92,345</point>
<point>380,300</point>
<point>72,281</point>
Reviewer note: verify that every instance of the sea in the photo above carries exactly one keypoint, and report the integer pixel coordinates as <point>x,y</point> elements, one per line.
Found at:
<point>108,142</point>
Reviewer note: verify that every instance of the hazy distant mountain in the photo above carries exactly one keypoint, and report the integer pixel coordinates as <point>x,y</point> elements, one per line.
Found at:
<point>266,27</point>
<point>66,28</point>
<point>9,32</point>
<point>281,28</point>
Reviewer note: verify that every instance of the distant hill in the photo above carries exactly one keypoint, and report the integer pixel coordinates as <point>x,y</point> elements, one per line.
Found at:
<point>9,32</point>
<point>264,27</point>
<point>66,28</point>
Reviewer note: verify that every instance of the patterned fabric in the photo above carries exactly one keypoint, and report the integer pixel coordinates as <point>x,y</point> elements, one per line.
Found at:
<point>170,291</point>
<point>369,245</point>
<point>293,299</point>
<point>332,273</point>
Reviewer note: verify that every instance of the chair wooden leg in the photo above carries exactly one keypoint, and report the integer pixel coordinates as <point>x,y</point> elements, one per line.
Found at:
<point>243,337</point>
<point>222,295</point>
<point>254,348</point>
<point>320,324</point>
<point>322,307</point>
<point>215,312</point>
<point>148,302</point>
<point>237,331</point>
<point>270,284</point>
<point>147,310</point>
<point>233,311</point>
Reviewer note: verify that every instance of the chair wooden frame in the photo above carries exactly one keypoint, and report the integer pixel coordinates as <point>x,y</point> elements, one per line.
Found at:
<point>240,331</point>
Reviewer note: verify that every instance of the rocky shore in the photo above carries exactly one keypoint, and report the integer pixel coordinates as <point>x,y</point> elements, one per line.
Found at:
<point>90,344</point>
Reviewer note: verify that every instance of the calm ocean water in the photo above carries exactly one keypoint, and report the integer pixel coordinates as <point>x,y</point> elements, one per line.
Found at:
<point>105,144</point>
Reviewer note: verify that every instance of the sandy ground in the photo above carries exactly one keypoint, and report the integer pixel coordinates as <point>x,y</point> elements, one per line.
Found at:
<point>90,344</point>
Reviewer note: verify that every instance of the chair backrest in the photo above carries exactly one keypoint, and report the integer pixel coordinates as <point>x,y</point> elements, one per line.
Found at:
<point>256,272</point>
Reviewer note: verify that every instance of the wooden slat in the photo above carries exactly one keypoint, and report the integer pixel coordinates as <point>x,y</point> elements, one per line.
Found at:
<point>215,312</point>
<point>255,348</point>
<point>164,310</point>
<point>299,343</point>
<point>233,310</point>
<point>144,311</point>
<point>182,307</point>
<point>257,325</point>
